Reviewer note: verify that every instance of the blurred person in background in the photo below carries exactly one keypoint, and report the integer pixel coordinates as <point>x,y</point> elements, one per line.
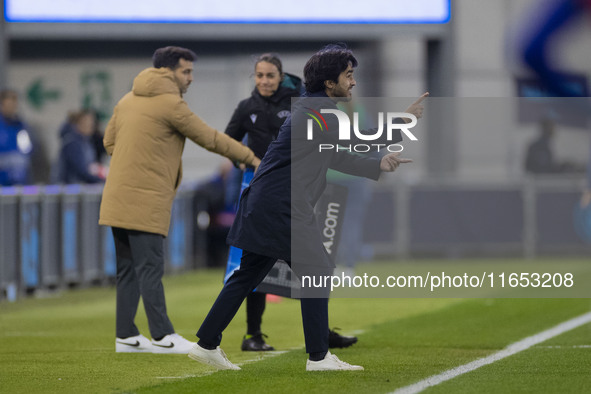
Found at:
<point>77,161</point>
<point>258,119</point>
<point>15,143</point>
<point>213,215</point>
<point>540,52</point>
<point>97,139</point>
<point>539,158</point>
<point>539,48</point>
<point>145,138</point>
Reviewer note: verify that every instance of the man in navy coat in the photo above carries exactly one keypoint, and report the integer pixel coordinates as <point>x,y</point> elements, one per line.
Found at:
<point>276,220</point>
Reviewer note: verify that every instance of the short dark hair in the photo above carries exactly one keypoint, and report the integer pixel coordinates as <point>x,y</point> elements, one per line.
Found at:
<point>326,65</point>
<point>75,116</point>
<point>169,57</point>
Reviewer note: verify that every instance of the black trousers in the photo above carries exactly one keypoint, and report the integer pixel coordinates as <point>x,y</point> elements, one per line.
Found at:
<point>140,267</point>
<point>255,307</point>
<point>253,269</point>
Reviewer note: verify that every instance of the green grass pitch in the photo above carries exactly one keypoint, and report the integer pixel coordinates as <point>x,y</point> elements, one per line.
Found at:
<point>65,344</point>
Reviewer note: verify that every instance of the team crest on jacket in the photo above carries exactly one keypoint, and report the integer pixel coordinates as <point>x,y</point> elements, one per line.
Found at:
<point>283,114</point>
<point>253,118</point>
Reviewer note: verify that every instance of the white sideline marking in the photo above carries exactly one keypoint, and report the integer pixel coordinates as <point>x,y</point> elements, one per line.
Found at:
<point>510,350</point>
<point>263,356</point>
<point>566,347</point>
<point>186,376</point>
<point>260,357</point>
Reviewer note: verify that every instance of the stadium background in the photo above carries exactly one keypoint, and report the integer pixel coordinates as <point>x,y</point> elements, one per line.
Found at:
<point>465,196</point>
<point>471,56</point>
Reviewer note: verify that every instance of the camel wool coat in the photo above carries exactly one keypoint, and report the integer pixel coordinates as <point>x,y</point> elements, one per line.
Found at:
<point>146,137</point>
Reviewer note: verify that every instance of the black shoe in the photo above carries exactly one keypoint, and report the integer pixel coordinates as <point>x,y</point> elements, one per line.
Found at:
<point>255,343</point>
<point>337,340</point>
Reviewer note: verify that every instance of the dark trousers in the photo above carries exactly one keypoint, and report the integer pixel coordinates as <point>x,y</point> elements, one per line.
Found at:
<point>253,269</point>
<point>255,307</point>
<point>140,267</point>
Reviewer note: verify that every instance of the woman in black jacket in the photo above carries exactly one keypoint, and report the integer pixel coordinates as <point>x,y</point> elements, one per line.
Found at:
<point>261,115</point>
<point>258,118</point>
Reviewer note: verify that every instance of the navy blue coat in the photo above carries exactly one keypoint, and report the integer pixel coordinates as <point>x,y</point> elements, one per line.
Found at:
<point>75,159</point>
<point>276,212</point>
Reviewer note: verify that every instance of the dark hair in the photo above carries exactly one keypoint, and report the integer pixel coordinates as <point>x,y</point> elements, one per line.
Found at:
<point>75,116</point>
<point>169,57</point>
<point>8,93</point>
<point>326,65</point>
<point>272,58</point>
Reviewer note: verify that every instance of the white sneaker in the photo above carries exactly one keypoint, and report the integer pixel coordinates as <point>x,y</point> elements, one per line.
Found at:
<point>216,358</point>
<point>331,363</point>
<point>172,344</point>
<point>137,344</point>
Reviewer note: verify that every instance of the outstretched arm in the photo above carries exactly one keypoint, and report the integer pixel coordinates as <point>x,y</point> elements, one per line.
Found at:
<point>194,128</point>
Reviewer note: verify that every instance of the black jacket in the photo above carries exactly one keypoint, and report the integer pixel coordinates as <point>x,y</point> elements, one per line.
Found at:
<point>260,118</point>
<point>276,212</point>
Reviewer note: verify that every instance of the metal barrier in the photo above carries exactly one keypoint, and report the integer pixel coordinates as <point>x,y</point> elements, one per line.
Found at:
<point>91,264</point>
<point>456,219</point>
<point>70,232</point>
<point>9,255</point>
<point>50,237</point>
<point>29,220</point>
<point>178,244</point>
